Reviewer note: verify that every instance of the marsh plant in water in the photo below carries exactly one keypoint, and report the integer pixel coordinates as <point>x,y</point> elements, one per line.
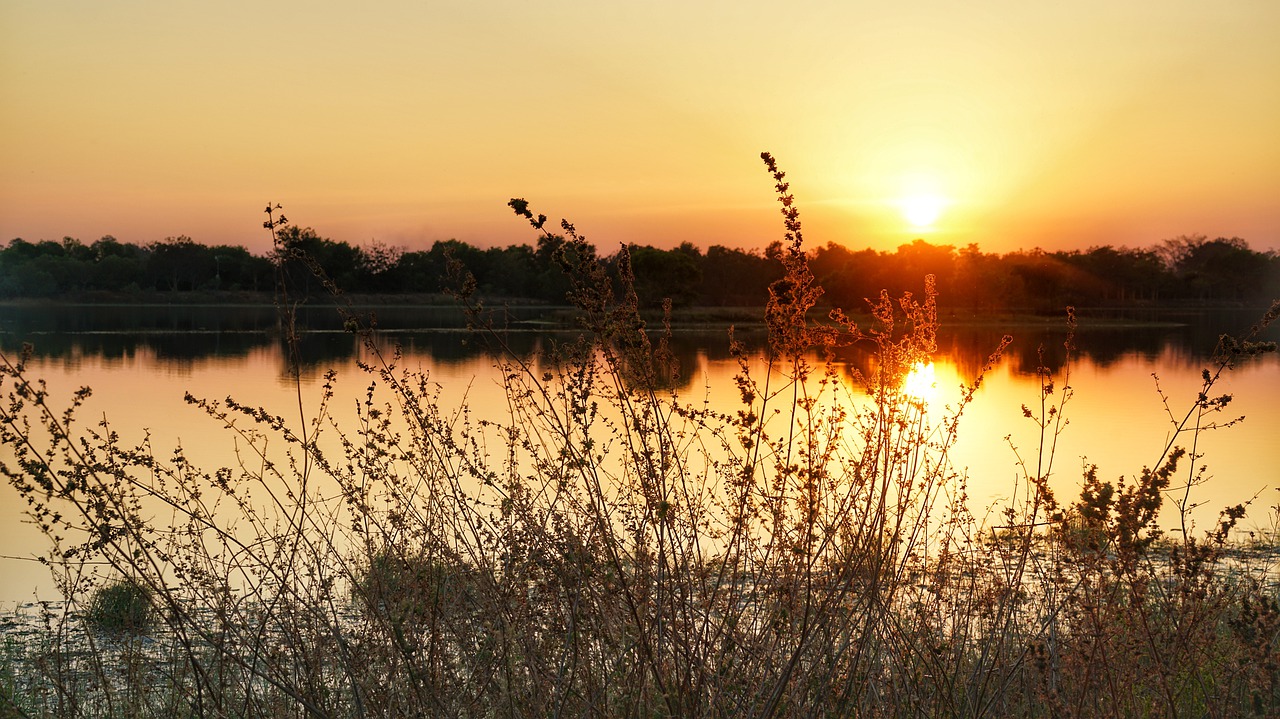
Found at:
<point>123,606</point>
<point>604,546</point>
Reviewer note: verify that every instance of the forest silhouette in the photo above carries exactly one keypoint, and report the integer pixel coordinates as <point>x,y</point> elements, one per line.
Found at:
<point>1182,270</point>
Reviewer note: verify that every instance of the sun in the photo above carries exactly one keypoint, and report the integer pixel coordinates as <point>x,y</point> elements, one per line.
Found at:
<point>922,210</point>
<point>921,197</point>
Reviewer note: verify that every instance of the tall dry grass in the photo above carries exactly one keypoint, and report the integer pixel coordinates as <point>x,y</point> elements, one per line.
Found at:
<point>603,546</point>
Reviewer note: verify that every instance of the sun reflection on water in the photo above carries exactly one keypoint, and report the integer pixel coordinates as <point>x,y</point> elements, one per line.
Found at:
<point>921,383</point>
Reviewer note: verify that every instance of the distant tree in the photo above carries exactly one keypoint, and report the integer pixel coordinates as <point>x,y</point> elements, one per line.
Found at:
<point>47,268</point>
<point>848,277</point>
<point>107,246</point>
<point>512,271</point>
<point>18,276</point>
<point>415,272</point>
<point>236,269</point>
<point>445,251</point>
<point>77,250</point>
<point>49,248</point>
<point>377,264</point>
<point>1174,251</point>
<point>1188,267</point>
<point>179,264</point>
<point>664,274</point>
<point>1223,268</point>
<point>1122,275</point>
<point>19,248</point>
<point>904,270</point>
<point>691,250</point>
<point>301,251</point>
<point>985,282</point>
<point>553,258</point>
<point>736,278</point>
<point>1045,280</point>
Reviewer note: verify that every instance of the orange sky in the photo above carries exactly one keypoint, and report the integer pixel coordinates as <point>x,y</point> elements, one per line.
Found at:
<point>1030,124</point>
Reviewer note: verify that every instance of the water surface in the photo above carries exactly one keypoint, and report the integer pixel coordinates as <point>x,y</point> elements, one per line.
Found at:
<point>140,361</point>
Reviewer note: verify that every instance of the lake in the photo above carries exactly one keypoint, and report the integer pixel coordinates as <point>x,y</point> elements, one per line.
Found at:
<point>141,360</point>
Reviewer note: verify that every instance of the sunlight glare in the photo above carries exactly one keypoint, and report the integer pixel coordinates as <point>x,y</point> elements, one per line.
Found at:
<point>922,210</point>
<point>921,199</point>
<point>921,383</point>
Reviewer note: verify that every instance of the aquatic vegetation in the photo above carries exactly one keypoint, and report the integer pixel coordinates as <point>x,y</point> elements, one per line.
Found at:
<point>120,606</point>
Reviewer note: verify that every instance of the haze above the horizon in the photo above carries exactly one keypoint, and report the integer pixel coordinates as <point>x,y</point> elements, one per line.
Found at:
<point>1006,124</point>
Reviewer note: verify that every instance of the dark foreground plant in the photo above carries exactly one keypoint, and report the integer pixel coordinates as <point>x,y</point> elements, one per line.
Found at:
<point>120,606</point>
<point>603,546</point>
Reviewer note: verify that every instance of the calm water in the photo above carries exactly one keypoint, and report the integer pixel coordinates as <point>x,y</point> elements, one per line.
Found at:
<point>141,360</point>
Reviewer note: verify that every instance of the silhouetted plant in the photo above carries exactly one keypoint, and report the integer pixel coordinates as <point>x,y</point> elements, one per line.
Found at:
<point>120,606</point>
<point>602,545</point>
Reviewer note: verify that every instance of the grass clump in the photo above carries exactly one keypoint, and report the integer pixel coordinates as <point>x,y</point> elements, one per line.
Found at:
<point>120,606</point>
<point>603,546</point>
<point>412,589</point>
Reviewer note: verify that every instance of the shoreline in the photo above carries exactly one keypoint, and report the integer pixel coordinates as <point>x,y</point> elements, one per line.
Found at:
<point>710,316</point>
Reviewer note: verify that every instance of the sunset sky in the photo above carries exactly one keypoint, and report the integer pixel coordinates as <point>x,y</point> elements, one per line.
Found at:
<point>1011,124</point>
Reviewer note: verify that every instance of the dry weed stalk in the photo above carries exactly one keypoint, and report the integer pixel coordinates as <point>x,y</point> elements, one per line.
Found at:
<point>603,546</point>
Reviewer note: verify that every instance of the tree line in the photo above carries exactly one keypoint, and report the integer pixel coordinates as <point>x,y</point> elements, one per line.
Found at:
<point>1183,269</point>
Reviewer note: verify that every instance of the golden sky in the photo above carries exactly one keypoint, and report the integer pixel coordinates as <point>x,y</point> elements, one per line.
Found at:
<point>1017,124</point>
